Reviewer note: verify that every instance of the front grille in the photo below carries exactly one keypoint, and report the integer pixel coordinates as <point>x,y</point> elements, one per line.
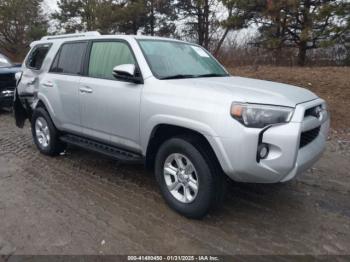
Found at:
<point>308,136</point>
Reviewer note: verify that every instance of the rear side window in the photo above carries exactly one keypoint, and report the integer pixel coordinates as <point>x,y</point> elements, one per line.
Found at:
<point>69,59</point>
<point>37,56</point>
<point>105,56</point>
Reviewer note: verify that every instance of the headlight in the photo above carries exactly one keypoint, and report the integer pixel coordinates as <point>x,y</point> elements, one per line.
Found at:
<point>260,116</point>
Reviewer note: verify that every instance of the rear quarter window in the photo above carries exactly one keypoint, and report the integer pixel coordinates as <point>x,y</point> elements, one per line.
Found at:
<point>69,59</point>
<point>37,56</point>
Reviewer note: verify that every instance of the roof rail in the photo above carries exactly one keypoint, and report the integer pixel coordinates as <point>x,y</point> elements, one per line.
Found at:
<point>54,37</point>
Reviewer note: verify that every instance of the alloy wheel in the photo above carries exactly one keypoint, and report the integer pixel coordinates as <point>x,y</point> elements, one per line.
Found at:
<point>42,132</point>
<point>181,178</point>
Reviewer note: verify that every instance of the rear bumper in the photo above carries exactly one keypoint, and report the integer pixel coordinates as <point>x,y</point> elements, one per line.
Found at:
<point>286,158</point>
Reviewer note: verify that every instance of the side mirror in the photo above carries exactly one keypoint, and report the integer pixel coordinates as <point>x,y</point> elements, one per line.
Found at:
<point>127,73</point>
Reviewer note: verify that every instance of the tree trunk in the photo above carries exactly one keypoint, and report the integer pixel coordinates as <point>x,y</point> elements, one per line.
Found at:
<point>135,27</point>
<point>200,29</point>
<point>223,37</point>
<point>302,54</point>
<point>218,47</point>
<point>306,25</point>
<point>152,20</point>
<point>206,24</point>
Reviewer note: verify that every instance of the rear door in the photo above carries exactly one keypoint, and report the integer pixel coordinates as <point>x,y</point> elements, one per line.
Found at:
<point>61,86</point>
<point>110,108</point>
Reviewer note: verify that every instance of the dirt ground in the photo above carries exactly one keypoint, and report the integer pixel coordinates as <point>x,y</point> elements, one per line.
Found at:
<point>83,203</point>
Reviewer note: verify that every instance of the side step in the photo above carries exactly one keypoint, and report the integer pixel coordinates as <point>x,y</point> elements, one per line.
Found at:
<point>107,150</point>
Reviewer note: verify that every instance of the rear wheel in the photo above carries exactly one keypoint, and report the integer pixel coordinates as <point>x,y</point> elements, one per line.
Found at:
<point>45,134</point>
<point>190,179</point>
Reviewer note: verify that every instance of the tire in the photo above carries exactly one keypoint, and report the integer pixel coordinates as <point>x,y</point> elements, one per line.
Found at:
<point>208,177</point>
<point>46,139</point>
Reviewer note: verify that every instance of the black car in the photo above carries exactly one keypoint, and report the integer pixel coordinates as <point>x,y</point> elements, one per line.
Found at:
<point>8,71</point>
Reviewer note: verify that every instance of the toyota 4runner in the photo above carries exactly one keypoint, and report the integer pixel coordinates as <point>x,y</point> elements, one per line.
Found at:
<point>171,105</point>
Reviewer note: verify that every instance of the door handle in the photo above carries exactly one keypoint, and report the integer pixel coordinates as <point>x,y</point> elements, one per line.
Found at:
<point>48,84</point>
<point>86,90</point>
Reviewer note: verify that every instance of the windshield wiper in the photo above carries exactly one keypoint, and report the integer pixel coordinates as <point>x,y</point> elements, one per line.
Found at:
<point>211,75</point>
<point>180,76</point>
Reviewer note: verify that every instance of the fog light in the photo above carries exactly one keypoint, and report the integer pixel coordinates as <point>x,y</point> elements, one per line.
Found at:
<point>263,151</point>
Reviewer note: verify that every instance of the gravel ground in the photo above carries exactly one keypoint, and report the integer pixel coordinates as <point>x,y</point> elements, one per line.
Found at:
<point>83,203</point>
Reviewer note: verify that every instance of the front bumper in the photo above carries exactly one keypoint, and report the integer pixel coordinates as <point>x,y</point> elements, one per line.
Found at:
<point>286,159</point>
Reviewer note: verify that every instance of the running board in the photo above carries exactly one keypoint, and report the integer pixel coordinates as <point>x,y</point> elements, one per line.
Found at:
<point>107,150</point>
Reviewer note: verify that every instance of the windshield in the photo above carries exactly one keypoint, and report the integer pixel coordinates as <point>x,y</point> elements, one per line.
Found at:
<point>4,61</point>
<point>175,60</point>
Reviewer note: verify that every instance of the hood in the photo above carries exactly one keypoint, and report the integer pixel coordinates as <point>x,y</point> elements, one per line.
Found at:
<point>254,91</point>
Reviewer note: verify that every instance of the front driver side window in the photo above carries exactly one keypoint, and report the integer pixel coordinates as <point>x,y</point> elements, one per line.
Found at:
<point>107,55</point>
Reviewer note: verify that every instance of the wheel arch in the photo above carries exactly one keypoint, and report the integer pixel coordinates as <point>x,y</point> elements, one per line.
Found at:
<point>163,132</point>
<point>43,102</point>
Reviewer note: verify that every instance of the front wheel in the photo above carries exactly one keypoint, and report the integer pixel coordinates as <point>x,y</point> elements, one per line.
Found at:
<point>189,178</point>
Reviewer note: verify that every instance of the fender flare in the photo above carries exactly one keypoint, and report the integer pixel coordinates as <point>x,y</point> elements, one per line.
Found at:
<point>157,120</point>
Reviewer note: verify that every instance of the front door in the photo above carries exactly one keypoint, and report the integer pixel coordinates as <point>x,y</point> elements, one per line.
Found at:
<point>110,108</point>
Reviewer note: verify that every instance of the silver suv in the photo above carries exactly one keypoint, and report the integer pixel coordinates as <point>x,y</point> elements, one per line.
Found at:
<point>171,105</point>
